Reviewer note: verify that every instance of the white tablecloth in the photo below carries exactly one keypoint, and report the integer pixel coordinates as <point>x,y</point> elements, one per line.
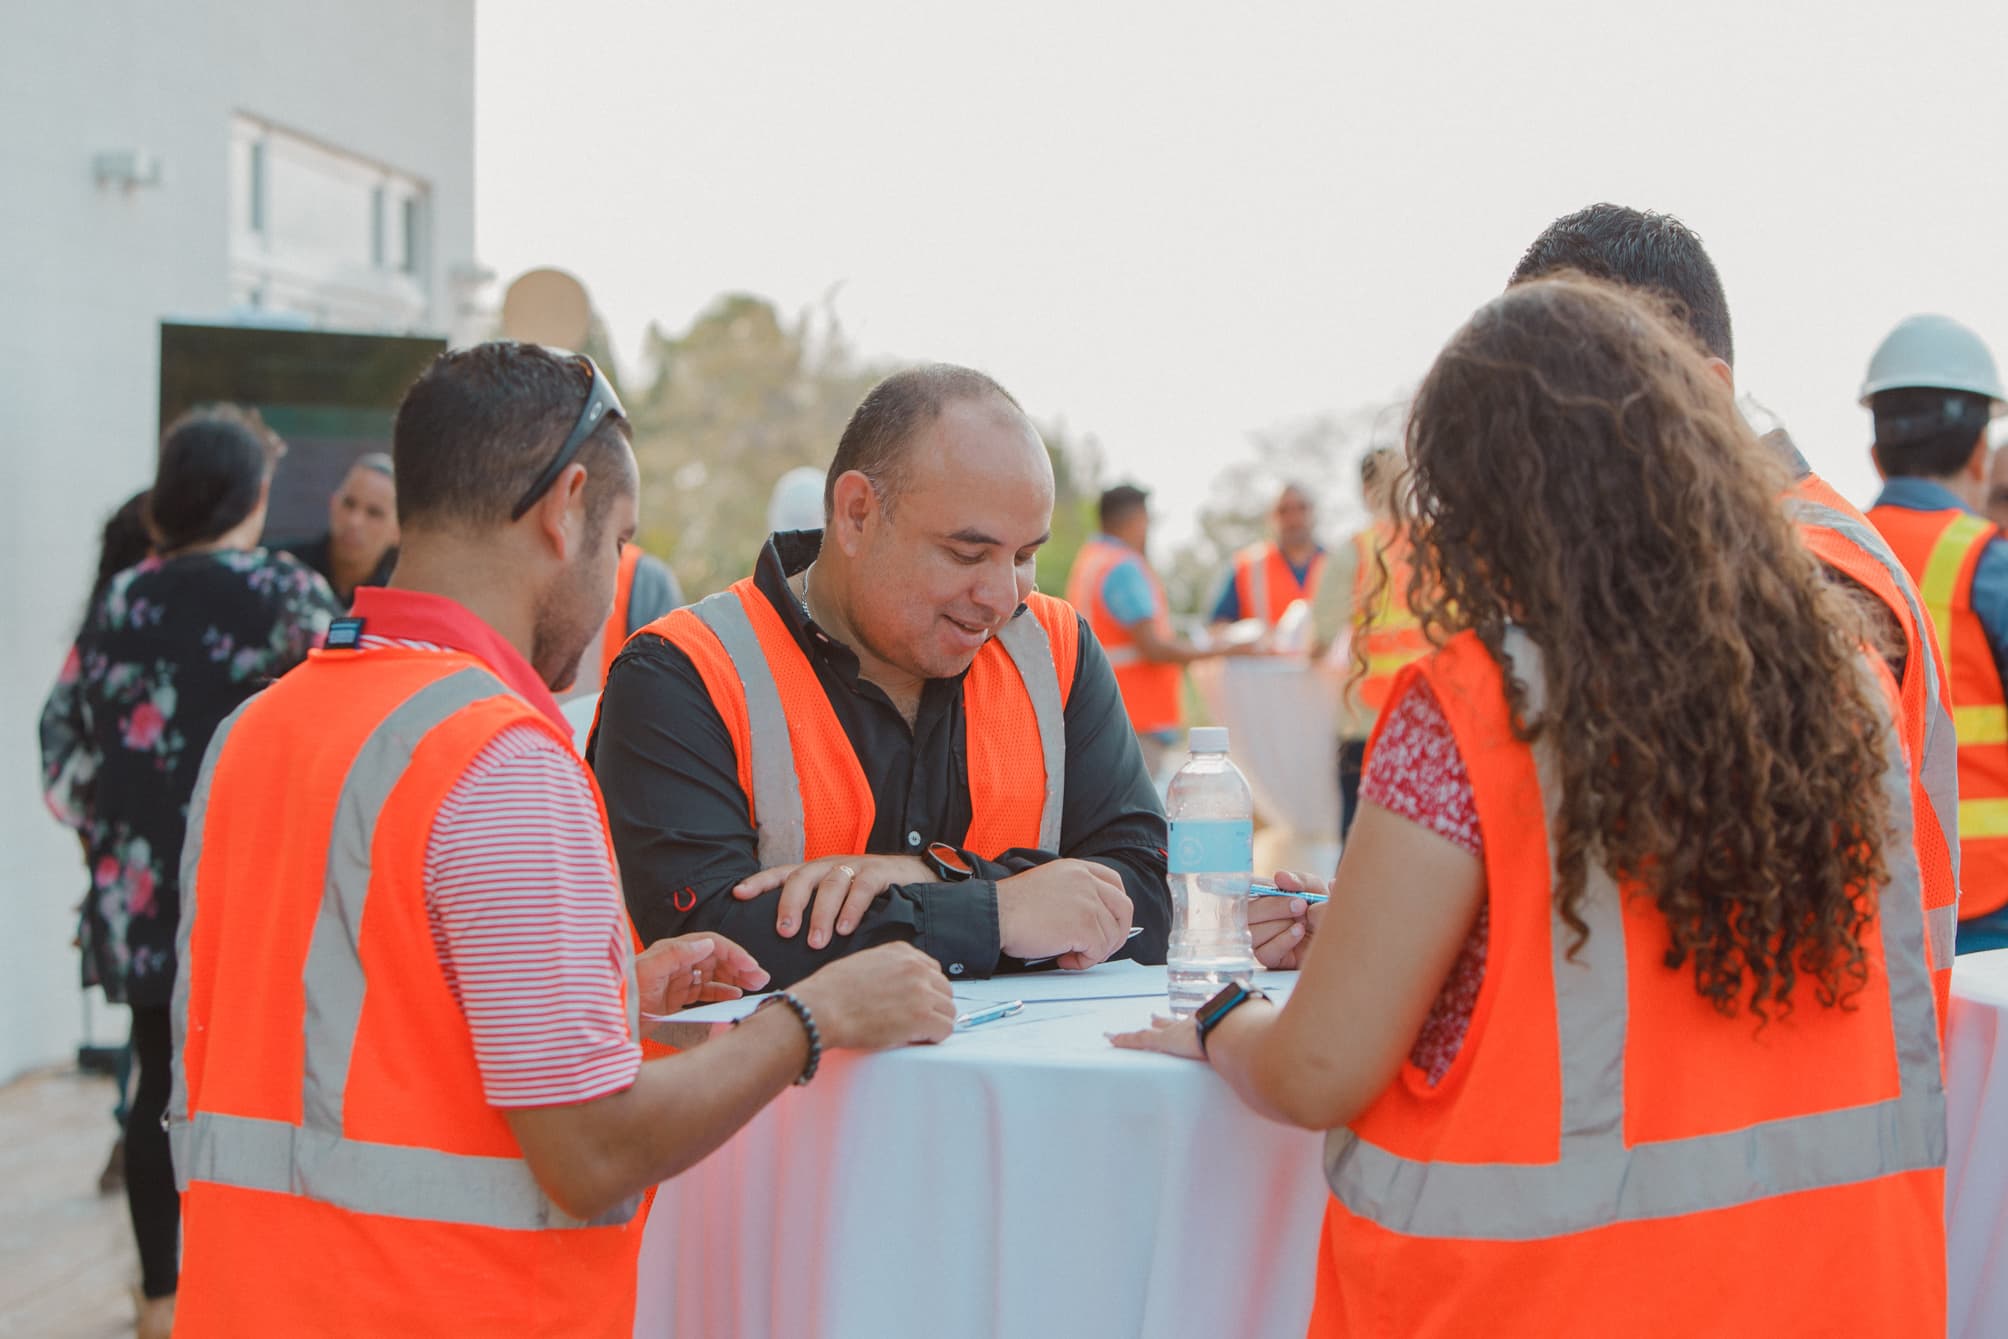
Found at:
<point>1022,1178</point>
<point>1976,1174</point>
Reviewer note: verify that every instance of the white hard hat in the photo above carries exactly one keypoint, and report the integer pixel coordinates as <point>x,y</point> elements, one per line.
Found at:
<point>797,501</point>
<point>1934,353</point>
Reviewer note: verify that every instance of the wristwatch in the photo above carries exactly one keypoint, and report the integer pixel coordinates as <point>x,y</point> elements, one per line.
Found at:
<point>1212,1013</point>
<point>948,862</point>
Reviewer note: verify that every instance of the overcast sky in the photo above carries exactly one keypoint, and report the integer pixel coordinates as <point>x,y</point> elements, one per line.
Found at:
<point>1172,224</point>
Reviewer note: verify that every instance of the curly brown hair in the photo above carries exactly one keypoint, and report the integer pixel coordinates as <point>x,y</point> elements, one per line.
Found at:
<point>1577,470</point>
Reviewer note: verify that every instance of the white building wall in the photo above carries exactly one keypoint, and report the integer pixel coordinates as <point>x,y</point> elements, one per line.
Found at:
<point>86,275</point>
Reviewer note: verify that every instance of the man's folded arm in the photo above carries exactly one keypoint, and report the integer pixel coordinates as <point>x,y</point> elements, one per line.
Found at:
<point>670,777</point>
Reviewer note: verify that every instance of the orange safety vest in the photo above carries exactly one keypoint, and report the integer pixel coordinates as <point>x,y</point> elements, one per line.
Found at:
<point>1151,692</point>
<point>806,794</point>
<point>1610,1155</point>
<point>1940,550</point>
<point>1844,540</point>
<point>614,636</point>
<point>341,1171</point>
<point>1389,628</point>
<point>1266,586</point>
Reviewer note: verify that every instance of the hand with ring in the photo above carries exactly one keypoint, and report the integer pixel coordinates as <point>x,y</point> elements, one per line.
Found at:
<point>673,974</point>
<point>840,887</point>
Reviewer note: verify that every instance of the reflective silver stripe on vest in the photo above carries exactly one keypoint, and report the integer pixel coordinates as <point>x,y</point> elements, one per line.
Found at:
<point>191,857</point>
<point>314,1158</point>
<point>1939,770</point>
<point>390,1180</point>
<point>1258,584</point>
<point>1121,657</point>
<point>1598,1179</point>
<point>1031,650</point>
<point>777,787</point>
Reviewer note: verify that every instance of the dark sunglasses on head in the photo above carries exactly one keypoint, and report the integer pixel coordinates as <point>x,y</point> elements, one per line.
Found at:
<point>600,402</point>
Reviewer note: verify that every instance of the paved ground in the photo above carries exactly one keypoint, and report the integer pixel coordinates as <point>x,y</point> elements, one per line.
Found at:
<point>66,1255</point>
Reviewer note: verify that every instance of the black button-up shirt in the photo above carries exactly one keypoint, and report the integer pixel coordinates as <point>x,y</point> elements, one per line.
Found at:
<point>671,778</point>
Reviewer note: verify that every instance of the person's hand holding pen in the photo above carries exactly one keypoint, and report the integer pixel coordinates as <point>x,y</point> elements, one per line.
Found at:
<point>1283,918</point>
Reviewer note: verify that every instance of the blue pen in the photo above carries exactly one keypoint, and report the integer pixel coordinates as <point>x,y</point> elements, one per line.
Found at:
<point>989,1015</point>
<point>1271,890</point>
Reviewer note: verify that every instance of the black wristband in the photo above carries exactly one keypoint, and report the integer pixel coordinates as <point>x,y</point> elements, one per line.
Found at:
<point>801,1011</point>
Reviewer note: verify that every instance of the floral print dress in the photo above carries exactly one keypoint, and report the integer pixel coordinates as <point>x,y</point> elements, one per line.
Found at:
<point>170,650</point>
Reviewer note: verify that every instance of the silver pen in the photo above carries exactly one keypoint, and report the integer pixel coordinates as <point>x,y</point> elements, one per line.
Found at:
<point>989,1015</point>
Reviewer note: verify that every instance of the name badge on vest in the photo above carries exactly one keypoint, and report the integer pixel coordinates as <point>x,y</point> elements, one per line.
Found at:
<point>344,634</point>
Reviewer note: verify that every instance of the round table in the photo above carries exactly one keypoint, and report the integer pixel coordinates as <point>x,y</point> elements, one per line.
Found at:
<point>1976,1173</point>
<point>1023,1178</point>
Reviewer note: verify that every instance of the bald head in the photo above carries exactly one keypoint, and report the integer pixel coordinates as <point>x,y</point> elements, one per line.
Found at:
<point>892,421</point>
<point>1294,519</point>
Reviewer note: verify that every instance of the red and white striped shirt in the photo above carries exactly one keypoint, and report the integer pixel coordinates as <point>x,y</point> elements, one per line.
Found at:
<point>527,918</point>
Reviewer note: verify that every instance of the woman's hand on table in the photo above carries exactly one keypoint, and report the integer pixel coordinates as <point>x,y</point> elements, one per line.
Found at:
<point>673,974</point>
<point>1166,1036</point>
<point>1281,928</point>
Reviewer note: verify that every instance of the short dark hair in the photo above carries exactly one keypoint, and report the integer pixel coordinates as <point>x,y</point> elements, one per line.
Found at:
<point>1639,249</point>
<point>213,466</point>
<point>1925,432</point>
<point>477,427</point>
<point>889,416</point>
<point>1120,503</point>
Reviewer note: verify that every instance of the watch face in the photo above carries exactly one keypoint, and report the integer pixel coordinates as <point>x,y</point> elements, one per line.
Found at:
<point>1226,998</point>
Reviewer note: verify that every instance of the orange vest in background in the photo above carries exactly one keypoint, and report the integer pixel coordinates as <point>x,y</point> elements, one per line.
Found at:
<point>1151,692</point>
<point>1844,540</point>
<point>1266,586</point>
<point>614,636</point>
<point>1940,550</point>
<point>1608,1155</point>
<point>342,1172</point>
<point>807,795</point>
<point>1390,630</point>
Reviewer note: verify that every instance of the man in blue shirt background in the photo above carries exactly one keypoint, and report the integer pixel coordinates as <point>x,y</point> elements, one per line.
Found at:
<point>1932,387</point>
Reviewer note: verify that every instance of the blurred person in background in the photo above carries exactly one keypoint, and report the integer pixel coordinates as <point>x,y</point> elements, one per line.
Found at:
<point>124,542</point>
<point>885,733</point>
<point>1932,387</point>
<point>173,646</point>
<point>360,546</point>
<point>1585,871</point>
<point>411,1098</point>
<point>797,501</point>
<point>1117,591</point>
<point>1267,577</point>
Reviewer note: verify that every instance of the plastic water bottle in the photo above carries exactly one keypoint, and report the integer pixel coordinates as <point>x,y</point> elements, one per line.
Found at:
<point>1212,854</point>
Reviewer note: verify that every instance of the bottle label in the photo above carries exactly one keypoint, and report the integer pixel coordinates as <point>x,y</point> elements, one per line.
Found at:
<point>1212,846</point>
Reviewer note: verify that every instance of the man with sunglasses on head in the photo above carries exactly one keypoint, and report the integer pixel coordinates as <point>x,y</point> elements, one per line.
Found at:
<point>410,1096</point>
<point>886,734</point>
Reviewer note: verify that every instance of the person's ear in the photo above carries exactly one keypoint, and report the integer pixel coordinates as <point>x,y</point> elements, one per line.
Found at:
<point>1723,373</point>
<point>1976,463</point>
<point>559,516</point>
<point>1875,456</point>
<point>854,507</point>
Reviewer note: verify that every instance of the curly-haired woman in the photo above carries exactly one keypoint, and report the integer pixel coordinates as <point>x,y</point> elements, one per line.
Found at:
<point>1619,1014</point>
<point>168,650</point>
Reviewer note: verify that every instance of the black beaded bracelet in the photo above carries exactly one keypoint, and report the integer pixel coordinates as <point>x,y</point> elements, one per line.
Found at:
<point>801,1011</point>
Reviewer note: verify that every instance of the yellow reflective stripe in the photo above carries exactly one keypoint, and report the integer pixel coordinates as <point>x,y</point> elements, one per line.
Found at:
<point>1980,725</point>
<point>1939,584</point>
<point>1983,818</point>
<point>1392,663</point>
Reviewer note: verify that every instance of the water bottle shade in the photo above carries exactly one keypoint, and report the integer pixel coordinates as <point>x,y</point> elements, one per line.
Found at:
<point>1207,739</point>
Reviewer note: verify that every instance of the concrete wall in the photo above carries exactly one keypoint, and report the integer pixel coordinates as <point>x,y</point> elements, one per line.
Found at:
<point>86,275</point>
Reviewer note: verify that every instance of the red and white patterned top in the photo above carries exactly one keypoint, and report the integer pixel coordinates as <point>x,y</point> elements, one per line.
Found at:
<point>1415,772</point>
<point>528,921</point>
